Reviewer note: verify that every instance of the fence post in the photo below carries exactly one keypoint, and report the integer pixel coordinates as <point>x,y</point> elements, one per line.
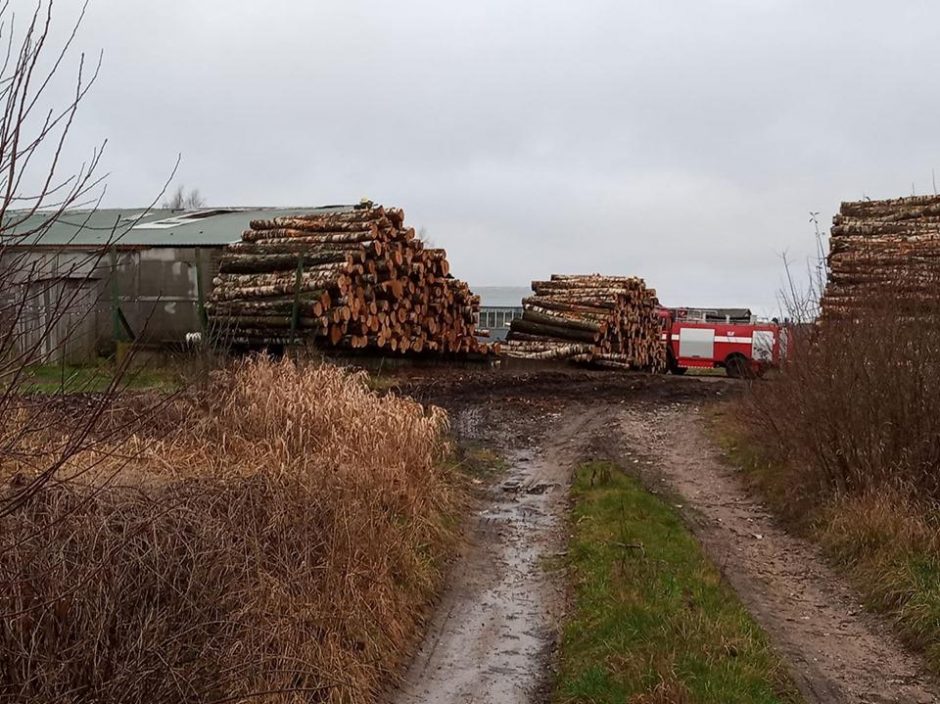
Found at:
<point>295,312</point>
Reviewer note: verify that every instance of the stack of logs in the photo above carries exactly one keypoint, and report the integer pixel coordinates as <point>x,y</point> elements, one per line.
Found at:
<point>884,253</point>
<point>607,321</point>
<point>348,277</point>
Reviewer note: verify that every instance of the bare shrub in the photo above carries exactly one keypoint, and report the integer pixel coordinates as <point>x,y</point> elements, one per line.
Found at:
<point>47,299</point>
<point>856,408</point>
<point>278,538</point>
<point>181,200</point>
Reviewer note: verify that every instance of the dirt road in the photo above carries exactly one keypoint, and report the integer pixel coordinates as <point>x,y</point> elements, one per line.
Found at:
<point>491,639</point>
<point>835,652</point>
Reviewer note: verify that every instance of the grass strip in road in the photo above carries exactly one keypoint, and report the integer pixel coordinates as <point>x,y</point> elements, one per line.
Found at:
<point>651,620</point>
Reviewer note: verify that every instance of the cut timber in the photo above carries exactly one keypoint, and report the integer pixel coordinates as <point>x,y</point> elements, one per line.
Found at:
<point>616,317</point>
<point>263,263</point>
<point>575,321</point>
<point>292,234</point>
<point>554,331</point>
<point>545,350</point>
<point>884,255</point>
<point>351,277</point>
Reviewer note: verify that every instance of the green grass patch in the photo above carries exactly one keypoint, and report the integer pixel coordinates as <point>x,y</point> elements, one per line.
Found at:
<point>652,620</point>
<point>69,379</point>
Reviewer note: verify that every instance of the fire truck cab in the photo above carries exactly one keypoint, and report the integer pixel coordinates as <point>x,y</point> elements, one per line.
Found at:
<point>743,349</point>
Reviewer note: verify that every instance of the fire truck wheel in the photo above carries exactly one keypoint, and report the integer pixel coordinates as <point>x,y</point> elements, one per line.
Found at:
<point>737,367</point>
<point>672,366</point>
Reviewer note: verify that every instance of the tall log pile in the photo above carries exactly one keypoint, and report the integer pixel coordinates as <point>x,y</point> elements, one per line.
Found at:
<point>884,252</point>
<point>351,277</point>
<point>609,321</point>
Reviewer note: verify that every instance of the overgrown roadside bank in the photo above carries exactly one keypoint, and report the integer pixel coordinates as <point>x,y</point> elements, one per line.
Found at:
<point>835,651</point>
<point>845,445</point>
<point>652,619</point>
<point>886,541</point>
<point>277,536</point>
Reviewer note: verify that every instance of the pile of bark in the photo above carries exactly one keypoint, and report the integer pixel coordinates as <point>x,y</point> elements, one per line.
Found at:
<point>349,277</point>
<point>884,252</point>
<point>608,321</point>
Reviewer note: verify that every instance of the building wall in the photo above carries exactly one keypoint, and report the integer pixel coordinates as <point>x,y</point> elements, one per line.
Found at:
<point>156,289</point>
<point>496,319</point>
<point>55,321</point>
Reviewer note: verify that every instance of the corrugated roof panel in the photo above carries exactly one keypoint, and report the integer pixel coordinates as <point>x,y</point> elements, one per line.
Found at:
<point>139,227</point>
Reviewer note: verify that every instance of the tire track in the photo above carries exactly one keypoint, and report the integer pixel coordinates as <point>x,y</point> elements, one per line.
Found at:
<point>837,653</point>
<point>492,636</point>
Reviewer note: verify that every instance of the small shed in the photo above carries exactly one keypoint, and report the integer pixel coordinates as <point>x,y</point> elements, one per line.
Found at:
<point>116,275</point>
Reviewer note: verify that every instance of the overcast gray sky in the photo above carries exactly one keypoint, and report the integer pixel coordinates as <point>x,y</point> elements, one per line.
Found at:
<point>685,141</point>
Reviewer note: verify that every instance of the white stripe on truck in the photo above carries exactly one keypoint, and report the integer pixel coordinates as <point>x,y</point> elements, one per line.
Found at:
<point>736,340</point>
<point>722,338</point>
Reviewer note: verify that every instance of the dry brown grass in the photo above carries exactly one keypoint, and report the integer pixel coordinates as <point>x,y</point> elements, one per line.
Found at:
<point>666,692</point>
<point>846,441</point>
<point>279,544</point>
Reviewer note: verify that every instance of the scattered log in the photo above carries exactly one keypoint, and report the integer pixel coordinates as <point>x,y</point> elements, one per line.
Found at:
<point>561,331</point>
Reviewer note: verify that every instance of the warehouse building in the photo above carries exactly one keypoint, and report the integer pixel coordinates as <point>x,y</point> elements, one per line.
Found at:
<point>117,275</point>
<point>499,305</point>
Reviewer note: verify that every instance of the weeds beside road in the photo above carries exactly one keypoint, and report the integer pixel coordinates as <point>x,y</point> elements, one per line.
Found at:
<point>281,532</point>
<point>845,444</point>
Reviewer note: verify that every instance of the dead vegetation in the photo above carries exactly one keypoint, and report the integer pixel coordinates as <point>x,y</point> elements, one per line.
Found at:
<point>855,409</point>
<point>280,543</point>
<point>845,442</point>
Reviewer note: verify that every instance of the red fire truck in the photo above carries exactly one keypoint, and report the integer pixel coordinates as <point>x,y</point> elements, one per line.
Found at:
<point>744,349</point>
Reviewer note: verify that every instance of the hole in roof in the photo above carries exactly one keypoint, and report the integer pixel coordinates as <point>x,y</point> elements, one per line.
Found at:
<point>182,219</point>
<point>199,214</point>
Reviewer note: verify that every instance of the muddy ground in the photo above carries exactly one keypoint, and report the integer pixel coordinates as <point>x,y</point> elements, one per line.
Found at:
<point>493,634</point>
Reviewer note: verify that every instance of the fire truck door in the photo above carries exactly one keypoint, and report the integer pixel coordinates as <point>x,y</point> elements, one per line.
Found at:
<point>697,342</point>
<point>762,346</point>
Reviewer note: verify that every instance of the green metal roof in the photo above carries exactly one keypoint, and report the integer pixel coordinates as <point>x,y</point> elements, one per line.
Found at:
<point>138,227</point>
